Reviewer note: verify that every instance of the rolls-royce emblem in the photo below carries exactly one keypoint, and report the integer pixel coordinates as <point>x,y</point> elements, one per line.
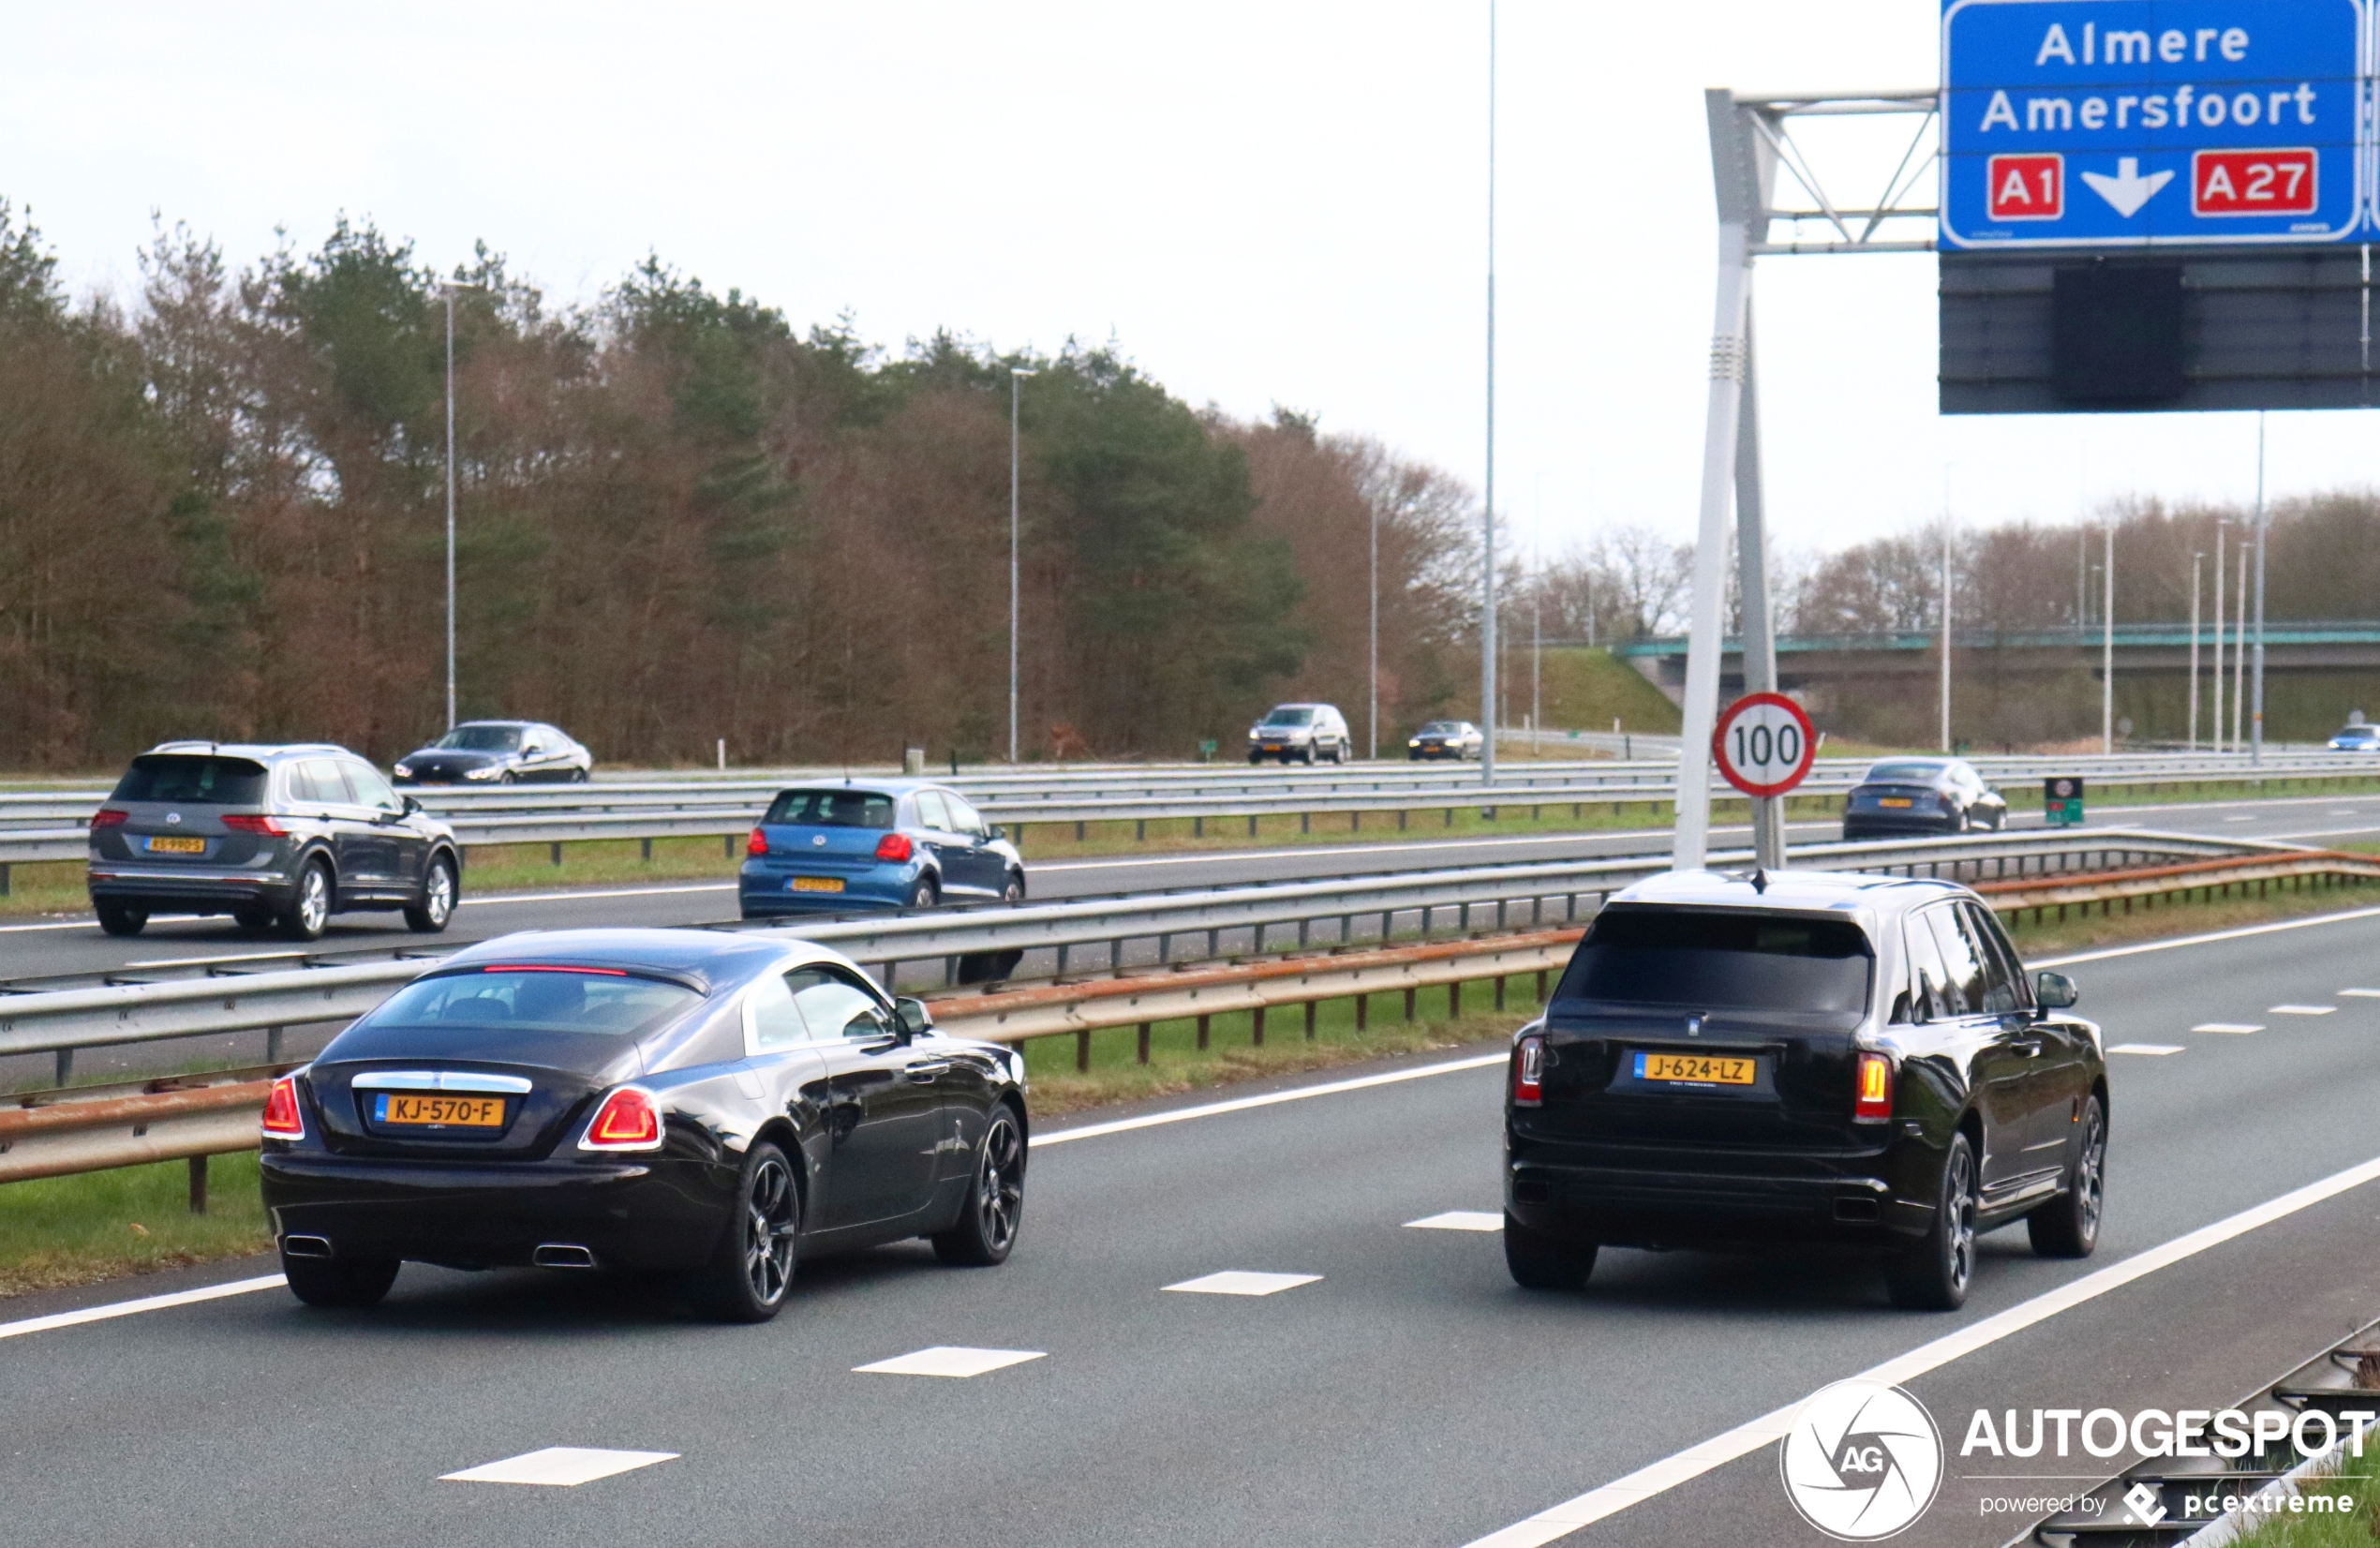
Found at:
<point>1694,1026</point>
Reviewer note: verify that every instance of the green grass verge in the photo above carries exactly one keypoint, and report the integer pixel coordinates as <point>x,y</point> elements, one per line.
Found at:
<point>2357,1526</point>
<point>72,1230</point>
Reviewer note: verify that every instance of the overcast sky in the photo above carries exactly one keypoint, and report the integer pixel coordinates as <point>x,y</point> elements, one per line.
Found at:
<point>1276,202</point>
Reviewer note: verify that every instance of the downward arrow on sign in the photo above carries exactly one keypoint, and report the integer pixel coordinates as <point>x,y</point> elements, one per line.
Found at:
<point>2127,190</point>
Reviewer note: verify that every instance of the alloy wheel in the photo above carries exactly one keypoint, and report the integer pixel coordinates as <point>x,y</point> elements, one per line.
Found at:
<point>314,900</point>
<point>2091,1175</point>
<point>1959,1189</point>
<point>437,895</point>
<point>1000,1182</point>
<point>769,1213</point>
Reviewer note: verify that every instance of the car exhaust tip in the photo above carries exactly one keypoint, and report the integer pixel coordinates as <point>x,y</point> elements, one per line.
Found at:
<point>1856,1212</point>
<point>562,1254</point>
<point>305,1246</point>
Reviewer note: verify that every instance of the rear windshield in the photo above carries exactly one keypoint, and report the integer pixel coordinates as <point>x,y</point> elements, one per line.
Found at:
<point>536,1002</point>
<point>204,780</point>
<point>482,739</point>
<point>1904,773</point>
<point>1721,962</point>
<point>1290,717</point>
<point>830,808</point>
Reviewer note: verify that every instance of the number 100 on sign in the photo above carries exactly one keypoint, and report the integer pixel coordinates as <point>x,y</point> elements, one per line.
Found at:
<point>1764,744</point>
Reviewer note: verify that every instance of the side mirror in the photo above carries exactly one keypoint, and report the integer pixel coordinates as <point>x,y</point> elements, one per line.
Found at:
<point>2054,990</point>
<point>998,833</point>
<point>913,1019</point>
<point>412,805</point>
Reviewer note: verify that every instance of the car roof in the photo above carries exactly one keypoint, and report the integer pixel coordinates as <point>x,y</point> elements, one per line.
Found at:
<point>256,751</point>
<point>712,957</point>
<point>523,725</point>
<point>1865,895</point>
<point>896,787</point>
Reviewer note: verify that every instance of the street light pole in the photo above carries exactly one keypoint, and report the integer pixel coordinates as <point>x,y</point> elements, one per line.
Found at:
<point>2107,649</point>
<point>1487,514</point>
<point>2217,740</point>
<point>2256,723</point>
<point>447,289</point>
<point>2196,560</point>
<point>1016,380</point>
<point>1374,734</point>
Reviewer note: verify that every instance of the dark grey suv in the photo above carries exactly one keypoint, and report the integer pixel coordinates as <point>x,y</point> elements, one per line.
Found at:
<point>277,836</point>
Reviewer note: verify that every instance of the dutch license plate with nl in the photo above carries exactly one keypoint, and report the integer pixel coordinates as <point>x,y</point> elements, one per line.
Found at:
<point>177,846</point>
<point>428,1111</point>
<point>1893,800</point>
<point>1694,1069</point>
<point>817,883</point>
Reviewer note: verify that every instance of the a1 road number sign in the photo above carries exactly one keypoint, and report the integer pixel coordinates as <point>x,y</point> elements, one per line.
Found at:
<point>1764,744</point>
<point>2028,187</point>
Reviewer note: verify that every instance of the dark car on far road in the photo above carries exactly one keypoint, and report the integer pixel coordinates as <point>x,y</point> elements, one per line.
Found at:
<point>276,837</point>
<point>884,844</point>
<point>1446,739</point>
<point>1802,1058</point>
<point>1898,798</point>
<point>712,1105</point>
<point>498,752</point>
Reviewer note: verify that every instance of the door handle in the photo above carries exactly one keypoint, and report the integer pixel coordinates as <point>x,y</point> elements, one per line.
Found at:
<point>924,1071</point>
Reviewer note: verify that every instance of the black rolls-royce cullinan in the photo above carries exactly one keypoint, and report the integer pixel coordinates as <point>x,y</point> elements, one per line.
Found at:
<point>713,1104</point>
<point>1803,1057</point>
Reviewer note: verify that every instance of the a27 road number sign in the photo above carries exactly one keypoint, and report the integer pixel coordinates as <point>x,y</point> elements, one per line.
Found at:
<point>1764,744</point>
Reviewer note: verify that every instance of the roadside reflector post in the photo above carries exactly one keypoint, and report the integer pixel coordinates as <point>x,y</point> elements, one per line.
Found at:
<point>1082,1050</point>
<point>272,1037</point>
<point>648,849</point>
<point>65,1066</point>
<point>1144,1042</point>
<point>1256,1024</point>
<point>556,852</point>
<point>197,1185</point>
<point>1202,1031</point>
<point>1410,997</point>
<point>1454,1000</point>
<point>1362,1013</point>
<point>1311,1008</point>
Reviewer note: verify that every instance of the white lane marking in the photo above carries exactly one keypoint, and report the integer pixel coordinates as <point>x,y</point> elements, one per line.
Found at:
<point>950,1360</point>
<point>2241,933</point>
<point>2241,1028</point>
<point>1560,1521</point>
<point>2154,1049</point>
<point>1244,1282</point>
<point>2249,817</point>
<point>1459,1220</point>
<point>558,1467</point>
<point>1217,857</point>
<point>2299,1010</point>
<point>146,1303</point>
<point>203,962</point>
<point>59,924</point>
<point>1242,1104</point>
<point>2359,994</point>
<point>607,892</point>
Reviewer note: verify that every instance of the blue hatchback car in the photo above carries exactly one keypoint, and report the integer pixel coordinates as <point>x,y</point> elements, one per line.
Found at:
<point>883,843</point>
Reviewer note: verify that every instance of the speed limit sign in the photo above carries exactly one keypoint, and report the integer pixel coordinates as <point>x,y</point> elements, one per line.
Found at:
<point>1764,744</point>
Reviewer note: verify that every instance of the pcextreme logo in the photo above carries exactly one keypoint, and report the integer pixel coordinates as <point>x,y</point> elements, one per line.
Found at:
<point>1862,1461</point>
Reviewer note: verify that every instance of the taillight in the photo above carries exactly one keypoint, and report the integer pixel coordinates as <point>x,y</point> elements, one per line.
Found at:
<point>108,816</point>
<point>282,1119</point>
<point>1874,1103</point>
<point>757,844</point>
<point>249,822</point>
<point>1528,1073</point>
<point>895,847</point>
<point>627,1121</point>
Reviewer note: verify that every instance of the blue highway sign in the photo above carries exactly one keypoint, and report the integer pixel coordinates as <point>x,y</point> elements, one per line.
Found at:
<point>2128,122</point>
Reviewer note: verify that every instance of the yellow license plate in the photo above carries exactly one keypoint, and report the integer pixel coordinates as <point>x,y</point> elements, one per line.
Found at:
<point>1893,800</point>
<point>177,846</point>
<point>461,1112</point>
<point>1702,1069</point>
<point>818,883</point>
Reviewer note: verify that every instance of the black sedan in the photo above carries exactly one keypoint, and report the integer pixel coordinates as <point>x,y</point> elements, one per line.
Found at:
<point>1803,1057</point>
<point>1900,796</point>
<point>1445,740</point>
<point>715,1106</point>
<point>498,752</point>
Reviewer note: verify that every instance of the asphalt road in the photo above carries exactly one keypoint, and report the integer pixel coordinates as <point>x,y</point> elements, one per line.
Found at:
<point>1408,1396</point>
<point>77,946</point>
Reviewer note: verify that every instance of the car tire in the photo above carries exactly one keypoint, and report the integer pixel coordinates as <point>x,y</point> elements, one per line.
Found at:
<point>753,1268</point>
<point>116,919</point>
<point>580,776</point>
<point>989,1220</point>
<point>1539,1262</point>
<point>310,905</point>
<point>923,894</point>
<point>1934,1276</point>
<point>1014,893</point>
<point>439,892</point>
<point>337,1284</point>
<point>508,777</point>
<point>1255,758</point>
<point>252,917</point>
<point>2068,1224</point>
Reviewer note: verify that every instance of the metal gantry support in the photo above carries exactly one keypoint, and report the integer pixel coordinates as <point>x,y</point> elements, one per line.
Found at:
<point>1751,142</point>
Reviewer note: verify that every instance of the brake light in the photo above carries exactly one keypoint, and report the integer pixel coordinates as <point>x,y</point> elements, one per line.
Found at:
<point>282,1118</point>
<point>1874,1103</point>
<point>757,844</point>
<point>1528,1073</point>
<point>247,822</point>
<point>108,816</point>
<point>627,1121</point>
<point>895,847</point>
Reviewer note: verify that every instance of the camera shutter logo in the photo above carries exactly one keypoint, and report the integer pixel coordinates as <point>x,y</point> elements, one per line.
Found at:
<point>1862,1461</point>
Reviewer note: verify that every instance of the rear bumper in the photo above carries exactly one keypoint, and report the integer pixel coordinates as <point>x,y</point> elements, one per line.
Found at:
<point>186,887</point>
<point>1846,1198</point>
<point>766,891</point>
<point>644,1213</point>
<point>1869,825</point>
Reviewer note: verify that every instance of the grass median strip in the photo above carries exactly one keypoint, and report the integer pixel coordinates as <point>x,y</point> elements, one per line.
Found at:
<point>133,1220</point>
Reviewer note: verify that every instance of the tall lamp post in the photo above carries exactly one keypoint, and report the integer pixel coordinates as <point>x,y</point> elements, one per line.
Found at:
<point>447,287</point>
<point>2256,721</point>
<point>1375,717</point>
<point>1487,513</point>
<point>1016,379</point>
